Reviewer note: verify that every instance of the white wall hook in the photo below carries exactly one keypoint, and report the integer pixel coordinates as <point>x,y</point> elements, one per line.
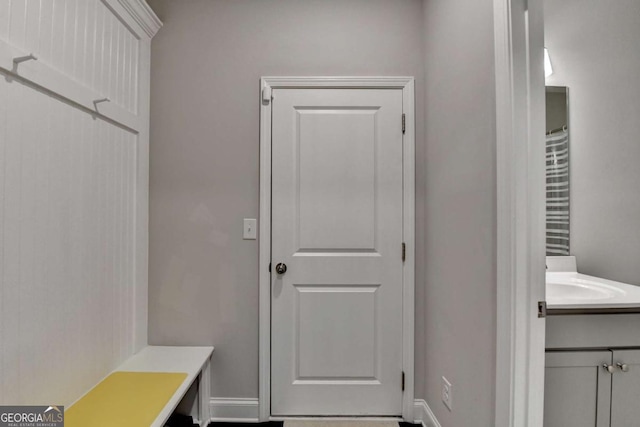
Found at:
<point>101,100</point>
<point>30,57</point>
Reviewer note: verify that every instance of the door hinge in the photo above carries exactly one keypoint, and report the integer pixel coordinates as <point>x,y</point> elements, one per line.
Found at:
<point>269,267</point>
<point>542,309</point>
<point>403,123</point>
<point>404,251</point>
<point>402,380</point>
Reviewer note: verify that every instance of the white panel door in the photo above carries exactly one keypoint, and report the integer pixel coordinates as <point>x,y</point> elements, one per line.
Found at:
<point>337,226</point>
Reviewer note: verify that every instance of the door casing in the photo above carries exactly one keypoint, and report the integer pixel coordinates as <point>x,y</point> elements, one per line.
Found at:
<point>520,203</point>
<point>406,84</point>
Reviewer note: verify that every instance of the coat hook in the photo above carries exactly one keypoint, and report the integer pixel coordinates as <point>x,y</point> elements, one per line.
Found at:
<point>101,100</point>
<point>29,57</point>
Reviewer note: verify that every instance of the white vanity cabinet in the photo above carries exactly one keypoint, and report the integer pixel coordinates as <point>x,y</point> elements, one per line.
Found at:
<point>625,389</point>
<point>577,389</point>
<point>592,388</point>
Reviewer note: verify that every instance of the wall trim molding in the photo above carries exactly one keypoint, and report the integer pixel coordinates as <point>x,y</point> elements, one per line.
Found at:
<point>234,409</point>
<point>519,72</point>
<point>424,414</point>
<point>336,82</point>
<point>144,16</point>
<point>225,409</point>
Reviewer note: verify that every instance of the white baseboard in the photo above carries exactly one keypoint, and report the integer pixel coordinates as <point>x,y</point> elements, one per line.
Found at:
<point>237,410</point>
<point>243,410</point>
<point>336,418</point>
<point>424,414</point>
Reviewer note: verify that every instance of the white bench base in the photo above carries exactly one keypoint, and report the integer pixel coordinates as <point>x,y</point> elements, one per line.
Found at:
<point>193,361</point>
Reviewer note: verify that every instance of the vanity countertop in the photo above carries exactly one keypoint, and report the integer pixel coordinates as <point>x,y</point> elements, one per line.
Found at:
<point>573,290</point>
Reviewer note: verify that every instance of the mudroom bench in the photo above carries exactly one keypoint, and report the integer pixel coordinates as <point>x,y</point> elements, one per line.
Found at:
<point>146,389</point>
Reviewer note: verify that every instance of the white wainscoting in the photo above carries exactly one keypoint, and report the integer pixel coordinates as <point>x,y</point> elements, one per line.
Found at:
<point>73,194</point>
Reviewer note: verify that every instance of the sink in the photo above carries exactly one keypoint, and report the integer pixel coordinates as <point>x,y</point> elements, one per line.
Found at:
<point>568,289</point>
<point>580,291</point>
<point>575,290</point>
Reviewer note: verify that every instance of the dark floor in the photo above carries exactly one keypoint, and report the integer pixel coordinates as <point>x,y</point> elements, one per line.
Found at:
<point>279,424</point>
<point>178,420</point>
<point>267,424</point>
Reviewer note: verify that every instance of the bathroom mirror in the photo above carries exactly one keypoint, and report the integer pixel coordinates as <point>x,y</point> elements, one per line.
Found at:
<point>557,171</point>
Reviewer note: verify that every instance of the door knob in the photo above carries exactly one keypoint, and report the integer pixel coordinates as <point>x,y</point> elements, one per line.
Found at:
<point>281,268</point>
<point>609,368</point>
<point>623,367</point>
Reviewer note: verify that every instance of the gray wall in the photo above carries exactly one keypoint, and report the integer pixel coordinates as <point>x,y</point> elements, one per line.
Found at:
<point>594,51</point>
<point>206,62</point>
<point>460,295</point>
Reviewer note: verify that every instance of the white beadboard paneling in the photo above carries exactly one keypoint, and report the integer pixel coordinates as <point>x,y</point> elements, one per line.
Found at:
<point>89,43</point>
<point>123,58</point>
<point>107,56</point>
<point>17,22</point>
<point>57,34</point>
<point>28,289</point>
<point>82,39</point>
<point>69,41</point>
<point>126,70</point>
<point>67,228</point>
<point>3,157</point>
<point>46,31</point>
<point>32,25</point>
<point>113,64</point>
<point>10,248</point>
<point>5,16</point>
<point>73,194</point>
<point>141,209</point>
<point>136,55</point>
<point>96,66</point>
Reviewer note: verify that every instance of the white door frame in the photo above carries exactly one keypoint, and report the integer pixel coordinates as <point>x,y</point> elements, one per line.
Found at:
<point>520,126</point>
<point>407,86</point>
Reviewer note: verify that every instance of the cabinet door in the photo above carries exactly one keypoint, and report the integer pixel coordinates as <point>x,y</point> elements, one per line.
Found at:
<point>577,389</point>
<point>625,395</point>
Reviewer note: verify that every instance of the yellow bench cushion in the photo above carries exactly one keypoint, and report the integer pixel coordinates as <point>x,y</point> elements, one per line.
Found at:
<point>124,399</point>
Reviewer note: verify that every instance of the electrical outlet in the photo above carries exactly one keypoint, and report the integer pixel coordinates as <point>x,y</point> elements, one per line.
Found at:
<point>447,394</point>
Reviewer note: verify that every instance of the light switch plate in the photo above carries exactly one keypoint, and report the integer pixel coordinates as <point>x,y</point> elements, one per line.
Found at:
<point>250,229</point>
